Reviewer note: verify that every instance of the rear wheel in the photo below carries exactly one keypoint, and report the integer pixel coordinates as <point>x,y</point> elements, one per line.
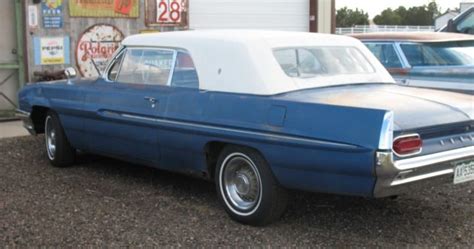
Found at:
<point>247,188</point>
<point>60,152</point>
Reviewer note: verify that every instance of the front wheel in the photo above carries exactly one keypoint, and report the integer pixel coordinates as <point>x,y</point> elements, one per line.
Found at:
<point>60,152</point>
<point>247,188</point>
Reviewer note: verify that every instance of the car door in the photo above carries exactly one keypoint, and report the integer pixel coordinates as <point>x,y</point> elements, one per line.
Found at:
<point>125,103</point>
<point>180,141</point>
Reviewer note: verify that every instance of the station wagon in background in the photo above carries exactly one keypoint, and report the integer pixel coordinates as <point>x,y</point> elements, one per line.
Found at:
<point>258,112</point>
<point>426,59</point>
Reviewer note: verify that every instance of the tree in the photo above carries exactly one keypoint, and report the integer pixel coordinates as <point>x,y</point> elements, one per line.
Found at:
<point>419,15</point>
<point>434,9</point>
<point>347,17</point>
<point>388,17</point>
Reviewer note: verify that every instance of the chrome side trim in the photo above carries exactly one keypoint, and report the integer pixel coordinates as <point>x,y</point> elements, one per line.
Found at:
<point>269,136</point>
<point>27,122</point>
<point>21,114</point>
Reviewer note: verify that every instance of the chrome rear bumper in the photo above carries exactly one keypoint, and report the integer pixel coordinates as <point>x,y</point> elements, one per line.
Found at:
<point>395,177</point>
<point>27,122</point>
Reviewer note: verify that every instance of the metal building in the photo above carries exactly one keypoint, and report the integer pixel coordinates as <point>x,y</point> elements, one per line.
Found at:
<point>55,34</point>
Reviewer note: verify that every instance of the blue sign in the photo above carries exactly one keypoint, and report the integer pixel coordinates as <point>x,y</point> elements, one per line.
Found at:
<point>52,11</point>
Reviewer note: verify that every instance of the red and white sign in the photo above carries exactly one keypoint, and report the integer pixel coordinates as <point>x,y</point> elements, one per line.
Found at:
<point>166,12</point>
<point>97,43</point>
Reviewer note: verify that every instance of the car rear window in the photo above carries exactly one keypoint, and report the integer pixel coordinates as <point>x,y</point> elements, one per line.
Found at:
<point>304,62</point>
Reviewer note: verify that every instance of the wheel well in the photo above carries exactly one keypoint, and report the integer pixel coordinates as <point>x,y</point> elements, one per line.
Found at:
<point>38,115</point>
<point>213,150</point>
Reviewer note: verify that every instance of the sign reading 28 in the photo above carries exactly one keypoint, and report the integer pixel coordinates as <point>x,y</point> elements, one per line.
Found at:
<point>168,11</point>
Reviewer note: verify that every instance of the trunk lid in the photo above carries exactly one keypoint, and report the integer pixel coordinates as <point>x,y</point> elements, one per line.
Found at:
<point>413,107</point>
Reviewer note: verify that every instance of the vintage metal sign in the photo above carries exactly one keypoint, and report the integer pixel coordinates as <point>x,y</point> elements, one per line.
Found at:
<point>52,11</point>
<point>166,13</point>
<point>32,16</point>
<point>51,50</point>
<point>97,44</point>
<point>104,8</point>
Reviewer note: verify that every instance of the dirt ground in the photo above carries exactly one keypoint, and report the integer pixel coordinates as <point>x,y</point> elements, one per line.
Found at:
<point>104,202</point>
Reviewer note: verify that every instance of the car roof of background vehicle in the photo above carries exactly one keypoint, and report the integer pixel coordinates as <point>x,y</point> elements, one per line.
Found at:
<point>413,36</point>
<point>242,61</point>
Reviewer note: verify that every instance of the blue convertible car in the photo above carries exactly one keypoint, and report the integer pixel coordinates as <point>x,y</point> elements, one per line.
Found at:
<point>258,112</point>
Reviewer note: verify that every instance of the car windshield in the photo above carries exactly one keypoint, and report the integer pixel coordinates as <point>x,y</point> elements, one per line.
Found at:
<point>439,54</point>
<point>302,62</point>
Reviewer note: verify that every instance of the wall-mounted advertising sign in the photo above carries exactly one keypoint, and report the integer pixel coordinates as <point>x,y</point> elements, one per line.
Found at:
<point>166,13</point>
<point>104,8</point>
<point>32,16</point>
<point>51,50</point>
<point>96,45</point>
<point>52,11</point>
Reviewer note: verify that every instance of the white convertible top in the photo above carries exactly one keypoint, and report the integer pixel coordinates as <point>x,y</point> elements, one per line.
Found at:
<point>242,61</point>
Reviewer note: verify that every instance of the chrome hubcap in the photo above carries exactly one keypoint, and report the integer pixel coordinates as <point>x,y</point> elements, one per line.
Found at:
<point>241,183</point>
<point>50,136</point>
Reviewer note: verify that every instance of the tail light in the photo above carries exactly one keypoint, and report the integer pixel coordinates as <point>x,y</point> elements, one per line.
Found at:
<point>407,145</point>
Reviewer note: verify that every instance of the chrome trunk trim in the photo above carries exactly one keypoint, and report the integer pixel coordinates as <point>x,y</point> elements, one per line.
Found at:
<point>395,177</point>
<point>421,161</point>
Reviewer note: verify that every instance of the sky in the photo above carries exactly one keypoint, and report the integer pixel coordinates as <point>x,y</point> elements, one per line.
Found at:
<point>374,7</point>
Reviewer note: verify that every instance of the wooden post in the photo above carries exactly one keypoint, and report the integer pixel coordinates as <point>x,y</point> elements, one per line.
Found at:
<point>333,16</point>
<point>20,42</point>
<point>313,16</point>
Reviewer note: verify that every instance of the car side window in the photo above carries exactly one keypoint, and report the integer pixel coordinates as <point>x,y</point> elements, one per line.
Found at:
<point>288,60</point>
<point>184,74</point>
<point>146,66</point>
<point>386,54</point>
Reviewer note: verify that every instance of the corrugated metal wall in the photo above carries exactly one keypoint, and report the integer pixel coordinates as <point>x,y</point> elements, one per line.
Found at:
<point>203,14</point>
<point>74,27</point>
<point>8,57</point>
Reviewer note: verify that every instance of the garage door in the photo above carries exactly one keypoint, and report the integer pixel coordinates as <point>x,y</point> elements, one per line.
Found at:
<point>292,15</point>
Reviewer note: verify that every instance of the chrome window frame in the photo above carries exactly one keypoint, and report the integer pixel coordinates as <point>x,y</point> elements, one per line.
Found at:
<point>399,49</point>
<point>118,53</point>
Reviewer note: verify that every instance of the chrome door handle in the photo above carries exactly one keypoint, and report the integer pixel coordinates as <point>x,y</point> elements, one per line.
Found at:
<point>151,100</point>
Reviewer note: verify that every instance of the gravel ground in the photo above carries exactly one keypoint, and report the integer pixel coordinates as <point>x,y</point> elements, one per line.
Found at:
<point>104,202</point>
